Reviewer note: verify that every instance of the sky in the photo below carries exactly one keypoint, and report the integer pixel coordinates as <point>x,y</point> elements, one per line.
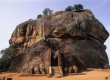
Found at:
<point>13,12</point>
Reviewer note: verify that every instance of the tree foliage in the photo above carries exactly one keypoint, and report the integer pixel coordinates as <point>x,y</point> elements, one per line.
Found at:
<point>39,15</point>
<point>4,64</point>
<point>78,7</point>
<point>47,11</point>
<point>106,66</point>
<point>69,8</point>
<point>8,56</point>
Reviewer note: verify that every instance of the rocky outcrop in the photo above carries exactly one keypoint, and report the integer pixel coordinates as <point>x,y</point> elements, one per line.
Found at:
<point>79,36</point>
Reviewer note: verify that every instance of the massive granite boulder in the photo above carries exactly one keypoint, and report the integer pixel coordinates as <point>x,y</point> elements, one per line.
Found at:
<point>78,36</point>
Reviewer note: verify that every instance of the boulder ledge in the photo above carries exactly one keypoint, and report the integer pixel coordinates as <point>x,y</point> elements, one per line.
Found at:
<point>77,37</point>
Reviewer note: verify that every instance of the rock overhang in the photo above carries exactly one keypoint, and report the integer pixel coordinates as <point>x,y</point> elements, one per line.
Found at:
<point>72,24</point>
<point>79,35</point>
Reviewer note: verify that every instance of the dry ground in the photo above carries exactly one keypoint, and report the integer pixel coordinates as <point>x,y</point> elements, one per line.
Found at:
<point>88,75</point>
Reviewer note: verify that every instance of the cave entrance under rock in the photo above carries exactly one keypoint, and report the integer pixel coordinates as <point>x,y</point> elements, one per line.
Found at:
<point>56,58</point>
<point>56,64</point>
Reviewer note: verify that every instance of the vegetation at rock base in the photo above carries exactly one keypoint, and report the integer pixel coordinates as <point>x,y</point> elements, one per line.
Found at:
<point>106,66</point>
<point>69,8</point>
<point>8,56</point>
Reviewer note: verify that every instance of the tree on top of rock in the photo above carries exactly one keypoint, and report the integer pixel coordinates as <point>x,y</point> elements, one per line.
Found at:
<point>78,7</point>
<point>39,15</point>
<point>47,11</point>
<point>69,8</point>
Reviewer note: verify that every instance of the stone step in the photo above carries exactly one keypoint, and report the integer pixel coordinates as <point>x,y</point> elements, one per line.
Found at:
<point>56,71</point>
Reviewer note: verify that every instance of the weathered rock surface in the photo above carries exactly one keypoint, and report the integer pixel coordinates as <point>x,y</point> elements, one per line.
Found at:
<point>79,36</point>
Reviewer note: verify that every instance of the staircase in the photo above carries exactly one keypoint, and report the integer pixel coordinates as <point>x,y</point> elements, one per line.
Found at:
<point>57,71</point>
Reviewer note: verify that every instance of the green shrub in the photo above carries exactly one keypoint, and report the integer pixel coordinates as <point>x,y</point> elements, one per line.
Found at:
<point>106,66</point>
<point>39,15</point>
<point>69,8</point>
<point>4,64</point>
<point>78,7</point>
<point>8,56</point>
<point>47,11</point>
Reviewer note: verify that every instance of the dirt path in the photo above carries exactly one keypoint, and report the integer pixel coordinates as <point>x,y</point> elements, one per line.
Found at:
<point>91,75</point>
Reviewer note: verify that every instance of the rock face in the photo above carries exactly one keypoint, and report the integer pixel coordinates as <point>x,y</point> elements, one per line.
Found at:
<point>78,36</point>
